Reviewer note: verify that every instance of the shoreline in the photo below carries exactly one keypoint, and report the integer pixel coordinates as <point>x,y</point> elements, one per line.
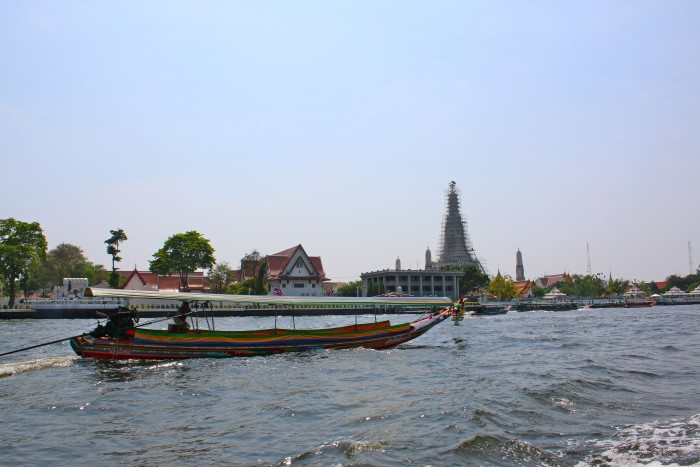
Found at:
<point>63,313</point>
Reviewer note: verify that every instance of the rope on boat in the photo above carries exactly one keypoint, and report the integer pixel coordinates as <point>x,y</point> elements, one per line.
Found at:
<point>41,345</point>
<point>78,335</point>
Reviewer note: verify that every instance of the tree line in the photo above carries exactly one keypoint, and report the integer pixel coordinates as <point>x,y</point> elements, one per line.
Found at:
<point>26,264</point>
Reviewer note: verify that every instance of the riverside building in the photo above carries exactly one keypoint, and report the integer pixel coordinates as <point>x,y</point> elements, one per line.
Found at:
<point>455,251</point>
<point>293,272</point>
<point>419,283</point>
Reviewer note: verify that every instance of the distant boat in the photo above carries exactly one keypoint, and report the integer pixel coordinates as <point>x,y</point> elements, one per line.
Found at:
<point>635,298</point>
<point>489,310</point>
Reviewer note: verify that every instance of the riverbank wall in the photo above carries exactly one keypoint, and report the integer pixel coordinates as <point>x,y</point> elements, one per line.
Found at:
<point>217,312</point>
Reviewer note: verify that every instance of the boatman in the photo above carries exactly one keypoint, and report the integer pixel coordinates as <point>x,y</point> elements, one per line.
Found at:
<point>181,319</point>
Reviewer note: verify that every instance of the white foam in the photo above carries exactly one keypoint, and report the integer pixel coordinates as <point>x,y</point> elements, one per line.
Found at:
<point>563,403</point>
<point>655,443</point>
<point>31,365</point>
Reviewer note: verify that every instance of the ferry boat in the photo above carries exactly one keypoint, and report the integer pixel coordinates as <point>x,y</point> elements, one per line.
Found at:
<point>635,298</point>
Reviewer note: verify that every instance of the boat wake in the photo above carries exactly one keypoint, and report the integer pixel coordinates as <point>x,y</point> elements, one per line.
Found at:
<point>674,441</point>
<point>11,369</point>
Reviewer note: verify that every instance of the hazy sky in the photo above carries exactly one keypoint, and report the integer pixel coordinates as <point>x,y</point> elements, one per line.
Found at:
<point>339,125</point>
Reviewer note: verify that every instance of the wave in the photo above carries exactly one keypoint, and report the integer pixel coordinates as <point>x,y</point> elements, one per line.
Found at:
<point>672,441</point>
<point>483,417</point>
<point>638,357</point>
<point>419,346</point>
<point>641,373</point>
<point>347,449</point>
<point>500,449</point>
<point>573,386</point>
<point>573,394</point>
<point>32,365</point>
<point>570,345</point>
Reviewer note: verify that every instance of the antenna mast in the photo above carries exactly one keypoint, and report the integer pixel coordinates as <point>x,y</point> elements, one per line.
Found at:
<point>588,251</point>
<point>690,257</point>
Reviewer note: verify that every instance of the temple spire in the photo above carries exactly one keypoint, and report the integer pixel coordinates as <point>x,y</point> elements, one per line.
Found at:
<point>519,268</point>
<point>455,247</point>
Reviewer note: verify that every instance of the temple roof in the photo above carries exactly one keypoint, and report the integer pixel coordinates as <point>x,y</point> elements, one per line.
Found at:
<point>278,262</point>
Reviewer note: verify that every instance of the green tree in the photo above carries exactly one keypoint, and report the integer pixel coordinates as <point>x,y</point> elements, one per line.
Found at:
<point>118,236</point>
<point>66,260</point>
<point>502,287</point>
<point>538,291</point>
<point>684,283</point>
<point>260,286</point>
<point>351,289</point>
<point>616,286</point>
<point>244,287</point>
<point>220,277</point>
<point>375,289</point>
<point>649,288</point>
<point>474,278</point>
<point>22,248</point>
<point>583,286</point>
<point>252,256</point>
<point>183,253</point>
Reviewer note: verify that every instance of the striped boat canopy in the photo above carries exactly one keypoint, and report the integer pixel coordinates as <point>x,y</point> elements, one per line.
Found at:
<point>270,299</point>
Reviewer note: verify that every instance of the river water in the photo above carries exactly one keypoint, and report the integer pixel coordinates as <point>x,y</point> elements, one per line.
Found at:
<point>535,388</point>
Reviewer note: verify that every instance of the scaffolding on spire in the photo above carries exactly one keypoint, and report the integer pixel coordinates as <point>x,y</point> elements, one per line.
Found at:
<point>455,247</point>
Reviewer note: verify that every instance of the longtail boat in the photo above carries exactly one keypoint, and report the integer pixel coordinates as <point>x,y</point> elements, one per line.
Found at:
<point>122,339</point>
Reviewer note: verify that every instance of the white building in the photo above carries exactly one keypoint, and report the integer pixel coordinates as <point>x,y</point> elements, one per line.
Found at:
<point>293,272</point>
<point>73,287</point>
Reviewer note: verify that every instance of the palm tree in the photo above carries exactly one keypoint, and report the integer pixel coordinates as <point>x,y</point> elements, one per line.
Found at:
<point>112,242</point>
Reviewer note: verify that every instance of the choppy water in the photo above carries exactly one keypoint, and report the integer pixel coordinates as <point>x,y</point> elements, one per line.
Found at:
<point>580,387</point>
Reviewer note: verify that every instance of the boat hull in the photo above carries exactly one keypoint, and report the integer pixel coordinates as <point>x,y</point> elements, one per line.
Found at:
<point>492,310</point>
<point>149,344</point>
<point>639,304</point>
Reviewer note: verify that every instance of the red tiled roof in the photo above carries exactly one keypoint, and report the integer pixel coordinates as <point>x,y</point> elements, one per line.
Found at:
<point>276,264</point>
<point>316,261</point>
<point>195,280</point>
<point>523,287</point>
<point>552,280</point>
<point>289,252</point>
<point>278,261</point>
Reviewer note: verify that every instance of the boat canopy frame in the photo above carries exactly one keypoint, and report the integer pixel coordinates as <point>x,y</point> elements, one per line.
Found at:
<point>424,302</point>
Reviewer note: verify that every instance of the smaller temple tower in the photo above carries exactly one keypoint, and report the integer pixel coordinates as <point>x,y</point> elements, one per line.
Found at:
<point>428,258</point>
<point>519,269</point>
<point>398,264</point>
